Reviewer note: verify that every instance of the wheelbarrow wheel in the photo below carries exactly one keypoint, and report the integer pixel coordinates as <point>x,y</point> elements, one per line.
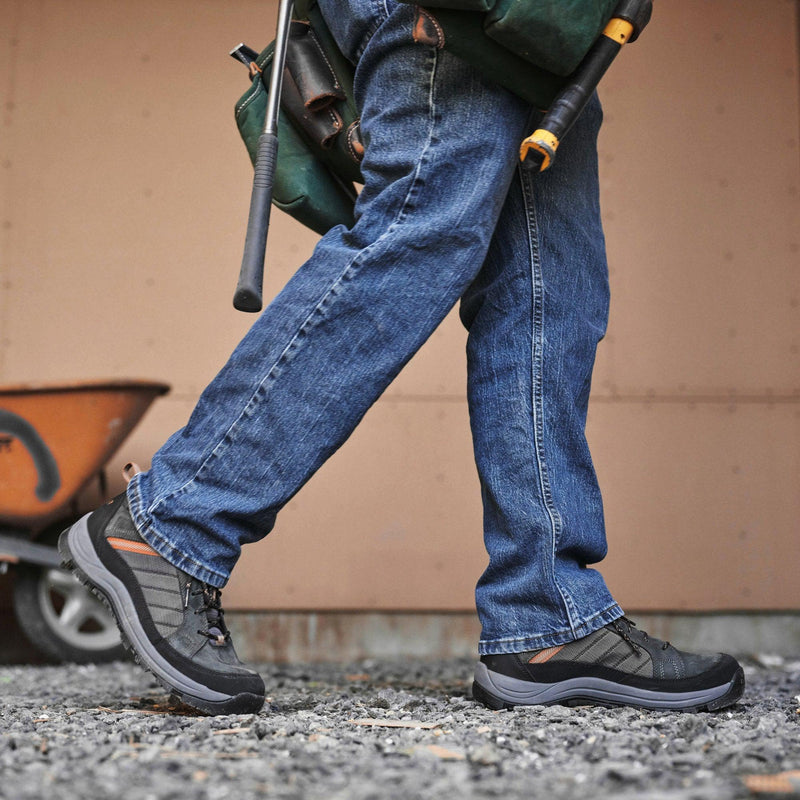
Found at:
<point>62,618</point>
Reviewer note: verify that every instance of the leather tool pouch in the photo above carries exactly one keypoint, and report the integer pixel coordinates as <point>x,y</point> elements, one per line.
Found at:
<point>320,147</point>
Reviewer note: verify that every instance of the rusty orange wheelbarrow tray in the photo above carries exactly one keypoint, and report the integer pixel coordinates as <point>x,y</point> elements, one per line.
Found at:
<point>54,440</point>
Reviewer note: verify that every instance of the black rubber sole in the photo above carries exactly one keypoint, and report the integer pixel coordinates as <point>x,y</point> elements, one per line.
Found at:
<point>735,691</point>
<point>244,703</point>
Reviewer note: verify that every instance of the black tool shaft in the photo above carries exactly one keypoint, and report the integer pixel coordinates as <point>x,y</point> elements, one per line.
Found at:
<point>538,151</point>
<point>570,103</point>
<point>248,295</point>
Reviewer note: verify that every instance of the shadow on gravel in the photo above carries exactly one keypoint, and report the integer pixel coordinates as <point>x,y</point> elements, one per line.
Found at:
<point>379,729</point>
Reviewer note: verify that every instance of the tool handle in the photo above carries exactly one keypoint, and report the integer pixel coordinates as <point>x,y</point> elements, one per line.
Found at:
<point>247,296</point>
<point>538,151</point>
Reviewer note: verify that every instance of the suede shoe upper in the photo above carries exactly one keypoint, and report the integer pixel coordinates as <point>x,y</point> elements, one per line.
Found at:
<point>619,652</point>
<point>182,617</point>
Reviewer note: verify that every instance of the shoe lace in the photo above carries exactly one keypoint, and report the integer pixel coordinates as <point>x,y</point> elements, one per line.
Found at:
<point>624,632</point>
<point>217,631</point>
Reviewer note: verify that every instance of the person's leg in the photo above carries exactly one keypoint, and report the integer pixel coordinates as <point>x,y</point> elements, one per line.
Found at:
<point>352,316</point>
<point>551,630</point>
<point>535,315</point>
<point>316,359</point>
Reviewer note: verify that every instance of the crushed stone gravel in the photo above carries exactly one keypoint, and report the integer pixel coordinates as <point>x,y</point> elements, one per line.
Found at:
<point>377,729</point>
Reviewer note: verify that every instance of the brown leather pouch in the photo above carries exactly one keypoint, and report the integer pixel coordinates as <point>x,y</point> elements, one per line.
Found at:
<point>318,97</point>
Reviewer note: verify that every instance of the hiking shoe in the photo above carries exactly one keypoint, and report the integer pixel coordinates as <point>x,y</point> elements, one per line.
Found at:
<point>614,666</point>
<point>173,623</point>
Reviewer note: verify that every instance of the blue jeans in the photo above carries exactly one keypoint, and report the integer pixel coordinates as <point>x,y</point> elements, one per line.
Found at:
<point>444,215</point>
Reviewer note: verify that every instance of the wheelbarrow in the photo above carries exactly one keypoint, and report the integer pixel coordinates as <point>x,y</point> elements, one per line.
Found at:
<point>55,440</point>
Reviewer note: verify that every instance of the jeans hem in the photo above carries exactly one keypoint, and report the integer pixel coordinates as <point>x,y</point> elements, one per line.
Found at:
<point>520,644</point>
<point>163,546</point>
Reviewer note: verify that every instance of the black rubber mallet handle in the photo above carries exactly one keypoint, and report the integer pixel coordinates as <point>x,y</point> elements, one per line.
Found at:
<point>251,275</point>
<point>538,151</point>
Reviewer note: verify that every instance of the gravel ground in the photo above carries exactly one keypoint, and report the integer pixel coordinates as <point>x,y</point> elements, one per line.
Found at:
<point>377,730</point>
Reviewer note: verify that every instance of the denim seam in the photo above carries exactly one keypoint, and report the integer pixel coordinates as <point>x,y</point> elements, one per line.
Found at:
<point>380,11</point>
<point>537,401</point>
<point>319,310</point>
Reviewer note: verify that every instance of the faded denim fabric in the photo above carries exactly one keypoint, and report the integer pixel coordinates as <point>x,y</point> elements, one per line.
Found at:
<point>444,214</point>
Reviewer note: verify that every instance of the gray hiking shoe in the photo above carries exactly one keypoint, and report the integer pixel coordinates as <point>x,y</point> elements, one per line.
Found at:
<point>614,666</point>
<point>174,623</point>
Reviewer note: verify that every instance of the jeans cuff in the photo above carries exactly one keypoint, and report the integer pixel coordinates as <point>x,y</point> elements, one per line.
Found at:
<point>162,545</point>
<point>538,641</point>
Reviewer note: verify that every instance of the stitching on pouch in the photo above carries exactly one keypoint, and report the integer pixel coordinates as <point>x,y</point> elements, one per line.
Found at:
<point>325,59</point>
<point>350,136</point>
<point>246,102</point>
<point>336,120</point>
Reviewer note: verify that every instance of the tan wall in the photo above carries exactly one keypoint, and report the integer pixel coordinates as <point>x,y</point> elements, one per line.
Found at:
<point>123,196</point>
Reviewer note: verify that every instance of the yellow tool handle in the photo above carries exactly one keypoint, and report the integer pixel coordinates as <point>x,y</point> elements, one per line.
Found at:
<point>538,151</point>
<point>544,144</point>
<point>619,30</point>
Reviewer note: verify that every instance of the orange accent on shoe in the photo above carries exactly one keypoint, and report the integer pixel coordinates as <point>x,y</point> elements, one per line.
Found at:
<point>545,655</point>
<point>131,547</point>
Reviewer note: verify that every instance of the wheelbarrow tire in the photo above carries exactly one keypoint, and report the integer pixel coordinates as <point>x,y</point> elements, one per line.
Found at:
<point>60,617</point>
